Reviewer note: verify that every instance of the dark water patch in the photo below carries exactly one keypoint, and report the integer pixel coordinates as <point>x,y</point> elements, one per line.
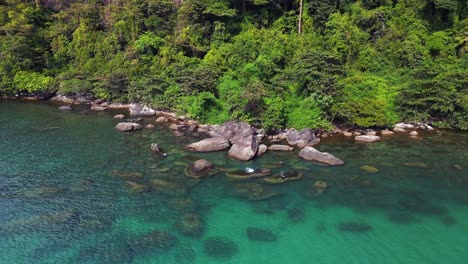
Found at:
<point>448,220</point>
<point>354,227</point>
<point>220,247</point>
<point>320,227</point>
<point>190,224</point>
<point>402,218</point>
<point>158,240</point>
<point>422,206</point>
<point>185,254</point>
<point>296,215</point>
<point>261,234</point>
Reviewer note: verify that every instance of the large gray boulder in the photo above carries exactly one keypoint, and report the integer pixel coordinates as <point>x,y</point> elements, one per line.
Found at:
<point>128,126</point>
<point>310,153</point>
<point>301,138</point>
<point>209,145</point>
<point>245,148</point>
<point>233,131</point>
<point>138,109</point>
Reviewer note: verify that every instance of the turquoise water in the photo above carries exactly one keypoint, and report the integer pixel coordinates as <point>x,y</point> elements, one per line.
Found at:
<point>74,190</point>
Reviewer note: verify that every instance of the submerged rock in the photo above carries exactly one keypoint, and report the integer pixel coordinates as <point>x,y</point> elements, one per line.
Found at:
<point>169,187</point>
<point>261,234</point>
<point>416,164</point>
<point>135,187</point>
<point>310,153</point>
<point>318,188</point>
<point>220,247</point>
<point>248,174</point>
<point>254,191</point>
<point>190,225</point>
<point>296,215</point>
<point>127,174</point>
<point>155,149</point>
<point>128,126</point>
<point>369,169</point>
<point>283,177</point>
<point>199,168</point>
<point>156,240</point>
<point>209,145</point>
<point>354,227</point>
<point>367,138</point>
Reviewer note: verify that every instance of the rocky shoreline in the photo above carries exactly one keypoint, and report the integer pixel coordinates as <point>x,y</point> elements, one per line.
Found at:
<point>243,141</point>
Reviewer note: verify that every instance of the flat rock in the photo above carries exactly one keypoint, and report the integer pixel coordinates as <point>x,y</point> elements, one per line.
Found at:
<point>367,138</point>
<point>98,108</point>
<point>119,116</point>
<point>310,153</point>
<point>347,134</point>
<point>128,126</point>
<point>280,148</point>
<point>209,145</point>
<point>65,108</point>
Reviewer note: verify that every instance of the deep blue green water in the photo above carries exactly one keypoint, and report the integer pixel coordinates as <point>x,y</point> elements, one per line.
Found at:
<point>74,190</point>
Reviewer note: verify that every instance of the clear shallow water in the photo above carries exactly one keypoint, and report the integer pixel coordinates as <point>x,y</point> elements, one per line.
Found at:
<point>74,190</point>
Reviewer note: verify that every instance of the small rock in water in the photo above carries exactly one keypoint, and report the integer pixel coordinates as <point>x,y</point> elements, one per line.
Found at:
<point>399,130</point>
<point>413,133</point>
<point>347,134</point>
<point>261,234</point>
<point>220,247</point>
<point>367,138</point>
<point>369,169</point>
<point>354,227</point>
<point>386,132</point>
<point>161,119</point>
<point>458,167</point>
<point>128,126</point>
<point>120,116</point>
<point>65,108</point>
<point>262,148</point>
<point>149,126</point>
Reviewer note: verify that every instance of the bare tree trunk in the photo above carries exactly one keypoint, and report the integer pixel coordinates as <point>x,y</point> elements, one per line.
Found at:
<point>299,30</point>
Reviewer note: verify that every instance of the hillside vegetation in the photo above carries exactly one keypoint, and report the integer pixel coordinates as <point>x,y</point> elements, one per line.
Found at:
<point>360,63</point>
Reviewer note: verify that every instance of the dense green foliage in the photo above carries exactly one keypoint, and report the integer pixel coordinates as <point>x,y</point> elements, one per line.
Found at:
<point>363,63</point>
